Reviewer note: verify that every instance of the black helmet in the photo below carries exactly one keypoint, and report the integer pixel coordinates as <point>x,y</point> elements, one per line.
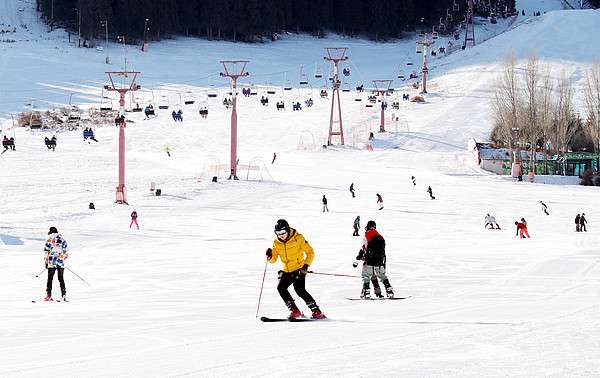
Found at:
<point>371,225</point>
<point>52,230</point>
<point>281,225</point>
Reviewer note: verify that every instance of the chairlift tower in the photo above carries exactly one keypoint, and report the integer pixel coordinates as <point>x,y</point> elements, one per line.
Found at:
<point>336,55</point>
<point>425,42</point>
<point>234,69</point>
<point>469,27</point>
<point>382,87</point>
<point>121,196</point>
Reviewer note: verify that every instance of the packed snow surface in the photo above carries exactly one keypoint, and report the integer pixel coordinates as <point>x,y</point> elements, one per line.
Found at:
<point>179,296</point>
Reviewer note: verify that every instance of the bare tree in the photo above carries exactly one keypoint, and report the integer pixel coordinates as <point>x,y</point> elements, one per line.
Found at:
<point>545,106</point>
<point>563,114</point>
<point>530,109</point>
<point>505,105</point>
<point>592,104</point>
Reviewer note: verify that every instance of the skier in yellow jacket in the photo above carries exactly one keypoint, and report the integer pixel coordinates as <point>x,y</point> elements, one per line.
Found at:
<point>296,255</point>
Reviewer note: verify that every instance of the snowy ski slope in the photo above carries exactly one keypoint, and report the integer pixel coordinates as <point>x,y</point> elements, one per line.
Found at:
<point>178,297</point>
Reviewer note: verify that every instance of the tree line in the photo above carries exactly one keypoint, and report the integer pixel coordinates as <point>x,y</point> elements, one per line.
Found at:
<point>254,20</point>
<point>533,110</point>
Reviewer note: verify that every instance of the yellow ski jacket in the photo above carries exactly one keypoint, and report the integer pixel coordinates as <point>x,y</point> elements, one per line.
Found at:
<point>292,252</point>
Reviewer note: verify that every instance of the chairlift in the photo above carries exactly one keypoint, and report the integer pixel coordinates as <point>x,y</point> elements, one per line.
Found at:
<point>189,99</point>
<point>345,87</point>
<point>409,61</point>
<point>318,73</point>
<point>434,35</point>
<point>74,114</point>
<point>105,103</point>
<point>163,103</point>
<point>346,71</point>
<point>270,91</point>
<point>401,76</point>
<point>303,79</point>
<point>419,49</point>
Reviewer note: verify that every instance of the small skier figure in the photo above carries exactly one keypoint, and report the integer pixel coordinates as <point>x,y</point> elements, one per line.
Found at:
<point>180,115</point>
<point>274,157</point>
<point>380,201</point>
<point>134,216</point>
<point>55,254</point>
<point>582,222</point>
<point>174,115</point>
<point>325,204</point>
<point>544,208</point>
<point>414,180</point>
<point>577,224</point>
<point>356,225</point>
<point>296,255</point>
<point>490,220</point>
<point>430,192</point>
<point>168,150</point>
<point>373,255</point>
<point>352,190</point>
<point>522,229</point>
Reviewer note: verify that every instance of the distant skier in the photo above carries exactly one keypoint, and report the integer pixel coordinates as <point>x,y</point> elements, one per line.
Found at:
<point>373,255</point>
<point>356,225</point>
<point>490,220</point>
<point>174,115</point>
<point>180,115</point>
<point>582,222</point>
<point>55,254</point>
<point>544,208</point>
<point>168,150</point>
<point>414,180</point>
<point>324,200</point>
<point>274,157</point>
<point>521,229</point>
<point>431,196</point>
<point>296,255</point>
<point>577,226</point>
<point>352,190</point>
<point>134,216</point>
<point>380,201</point>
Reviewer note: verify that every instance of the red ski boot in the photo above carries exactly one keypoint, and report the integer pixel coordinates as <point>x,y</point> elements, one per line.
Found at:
<point>48,298</point>
<point>317,314</point>
<point>295,314</point>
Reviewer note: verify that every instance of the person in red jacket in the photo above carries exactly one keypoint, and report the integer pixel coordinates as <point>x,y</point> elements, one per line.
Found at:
<point>521,229</point>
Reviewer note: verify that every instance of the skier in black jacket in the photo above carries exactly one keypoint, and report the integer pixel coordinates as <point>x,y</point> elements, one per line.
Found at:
<point>373,255</point>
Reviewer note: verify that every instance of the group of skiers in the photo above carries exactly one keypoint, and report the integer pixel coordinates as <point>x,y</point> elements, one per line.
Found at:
<point>50,142</point>
<point>8,144</point>
<point>297,255</point>
<point>177,115</point>
<point>88,133</point>
<point>580,223</point>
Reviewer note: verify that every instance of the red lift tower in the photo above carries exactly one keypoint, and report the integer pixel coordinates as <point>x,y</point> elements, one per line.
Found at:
<point>336,55</point>
<point>469,28</point>
<point>382,87</point>
<point>234,69</point>
<point>425,42</point>
<point>120,122</point>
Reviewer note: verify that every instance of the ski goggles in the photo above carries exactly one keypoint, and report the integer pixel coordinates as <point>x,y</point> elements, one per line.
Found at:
<point>281,233</point>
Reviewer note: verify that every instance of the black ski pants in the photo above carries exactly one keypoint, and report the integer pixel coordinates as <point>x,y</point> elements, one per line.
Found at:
<point>299,281</point>
<point>61,280</point>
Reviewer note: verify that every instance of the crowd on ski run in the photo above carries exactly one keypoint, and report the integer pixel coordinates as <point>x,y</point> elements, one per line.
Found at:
<point>296,255</point>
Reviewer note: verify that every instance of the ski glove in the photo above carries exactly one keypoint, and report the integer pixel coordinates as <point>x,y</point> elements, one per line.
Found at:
<point>304,269</point>
<point>269,253</point>
<point>355,264</point>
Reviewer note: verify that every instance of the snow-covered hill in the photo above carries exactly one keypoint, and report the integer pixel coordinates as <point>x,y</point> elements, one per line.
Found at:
<point>179,296</point>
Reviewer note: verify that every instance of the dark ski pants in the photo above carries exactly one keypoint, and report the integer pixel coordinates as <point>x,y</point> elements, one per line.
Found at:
<point>355,231</point>
<point>299,281</point>
<point>61,280</point>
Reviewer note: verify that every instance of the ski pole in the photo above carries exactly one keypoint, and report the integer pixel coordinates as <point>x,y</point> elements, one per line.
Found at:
<point>40,273</point>
<point>78,276</point>
<point>261,287</point>
<point>333,274</point>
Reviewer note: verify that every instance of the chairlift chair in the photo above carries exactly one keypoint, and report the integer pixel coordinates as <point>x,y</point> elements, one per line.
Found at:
<point>163,103</point>
<point>345,87</point>
<point>419,49</point>
<point>409,61</point>
<point>189,99</point>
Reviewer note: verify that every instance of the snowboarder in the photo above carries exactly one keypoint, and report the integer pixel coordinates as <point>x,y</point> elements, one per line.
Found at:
<point>55,254</point>
<point>414,180</point>
<point>430,192</point>
<point>134,216</point>
<point>490,220</point>
<point>544,208</point>
<point>356,225</point>
<point>352,190</point>
<point>521,229</point>
<point>325,203</point>
<point>577,224</point>
<point>274,157</point>
<point>373,255</point>
<point>296,255</point>
<point>582,222</point>
<point>380,201</point>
